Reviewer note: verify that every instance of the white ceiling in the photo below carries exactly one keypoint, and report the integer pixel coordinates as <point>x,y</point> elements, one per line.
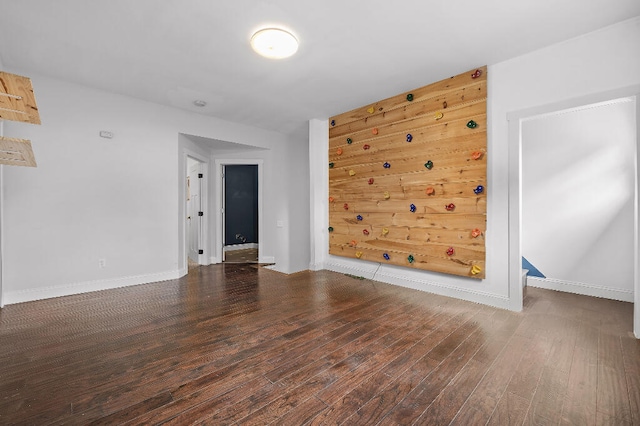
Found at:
<point>351,53</point>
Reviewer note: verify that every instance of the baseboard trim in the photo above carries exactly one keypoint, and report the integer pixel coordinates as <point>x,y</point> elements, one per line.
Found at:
<point>375,272</point>
<point>267,259</point>
<point>20,296</point>
<point>581,288</point>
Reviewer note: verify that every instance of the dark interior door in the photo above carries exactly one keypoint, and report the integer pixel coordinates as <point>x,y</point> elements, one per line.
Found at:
<point>241,204</point>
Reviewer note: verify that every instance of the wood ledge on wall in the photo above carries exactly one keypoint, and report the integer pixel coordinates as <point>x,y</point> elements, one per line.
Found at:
<point>407,178</point>
<point>17,103</point>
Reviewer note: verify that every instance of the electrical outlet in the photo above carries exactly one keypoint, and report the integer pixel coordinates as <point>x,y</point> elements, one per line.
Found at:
<point>102,263</point>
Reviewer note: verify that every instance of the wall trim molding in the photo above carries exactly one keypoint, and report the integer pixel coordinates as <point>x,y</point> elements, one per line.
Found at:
<point>581,288</point>
<point>30,295</point>
<point>380,273</point>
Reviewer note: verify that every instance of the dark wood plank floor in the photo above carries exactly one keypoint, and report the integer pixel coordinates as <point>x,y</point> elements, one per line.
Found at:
<point>242,344</point>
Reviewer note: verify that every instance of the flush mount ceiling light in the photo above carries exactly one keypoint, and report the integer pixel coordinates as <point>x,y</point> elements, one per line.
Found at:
<point>200,103</point>
<point>274,43</point>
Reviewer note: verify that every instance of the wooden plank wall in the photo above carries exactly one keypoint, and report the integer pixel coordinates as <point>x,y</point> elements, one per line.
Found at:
<point>370,205</point>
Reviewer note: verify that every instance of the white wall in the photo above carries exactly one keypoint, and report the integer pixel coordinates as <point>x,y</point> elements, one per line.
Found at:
<point>578,186</point>
<point>92,198</point>
<point>597,62</point>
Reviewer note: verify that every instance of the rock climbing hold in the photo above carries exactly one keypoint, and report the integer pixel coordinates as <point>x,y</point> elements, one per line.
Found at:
<point>430,191</point>
<point>387,195</point>
<point>365,231</point>
<point>331,229</point>
<point>450,251</point>
<point>374,130</point>
<point>479,189</point>
<point>349,141</point>
<point>352,172</point>
<point>475,270</point>
<point>476,233</point>
<point>450,207</point>
<point>410,97</point>
<point>386,256</point>
<point>346,206</point>
<point>371,110</point>
<point>444,104</point>
<point>386,165</point>
<point>359,217</point>
<point>412,208</point>
<point>410,258</point>
<point>366,146</point>
<point>331,165</point>
<point>385,231</point>
<point>472,124</point>
<point>370,181</point>
<point>353,243</point>
<point>331,199</point>
<point>429,164</point>
<point>333,122</point>
<point>476,74</point>
<point>358,254</point>
<point>438,115</point>
<point>476,155</point>
<point>339,151</point>
<point>409,137</point>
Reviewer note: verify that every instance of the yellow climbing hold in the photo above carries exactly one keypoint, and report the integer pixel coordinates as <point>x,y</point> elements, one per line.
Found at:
<point>385,231</point>
<point>352,173</point>
<point>371,110</point>
<point>475,270</point>
<point>387,195</point>
<point>438,115</point>
<point>359,254</point>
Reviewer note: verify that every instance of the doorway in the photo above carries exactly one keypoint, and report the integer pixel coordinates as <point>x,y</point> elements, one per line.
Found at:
<point>240,213</point>
<point>578,187</point>
<point>515,190</point>
<point>239,218</point>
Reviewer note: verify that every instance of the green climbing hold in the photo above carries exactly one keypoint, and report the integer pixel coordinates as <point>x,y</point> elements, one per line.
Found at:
<point>349,141</point>
<point>472,124</point>
<point>410,258</point>
<point>410,97</point>
<point>429,164</point>
<point>331,229</point>
<point>331,165</point>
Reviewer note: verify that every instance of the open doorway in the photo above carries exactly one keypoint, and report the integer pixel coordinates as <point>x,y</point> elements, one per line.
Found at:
<point>516,120</point>
<point>578,189</point>
<point>239,218</point>
<point>240,213</point>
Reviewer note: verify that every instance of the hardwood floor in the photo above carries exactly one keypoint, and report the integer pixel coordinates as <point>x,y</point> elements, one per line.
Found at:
<point>243,344</point>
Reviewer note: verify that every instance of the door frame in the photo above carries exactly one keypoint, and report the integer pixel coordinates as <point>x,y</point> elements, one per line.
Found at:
<point>515,120</point>
<point>203,259</point>
<point>219,164</point>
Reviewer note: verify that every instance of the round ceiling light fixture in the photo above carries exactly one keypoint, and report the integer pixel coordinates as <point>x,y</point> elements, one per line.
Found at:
<point>274,43</point>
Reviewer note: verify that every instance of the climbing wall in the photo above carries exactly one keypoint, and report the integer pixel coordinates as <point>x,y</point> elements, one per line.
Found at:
<point>407,178</point>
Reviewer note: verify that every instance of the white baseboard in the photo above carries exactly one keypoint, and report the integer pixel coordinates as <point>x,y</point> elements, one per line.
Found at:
<point>267,259</point>
<point>581,288</point>
<point>87,286</point>
<point>240,247</point>
<point>410,280</point>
